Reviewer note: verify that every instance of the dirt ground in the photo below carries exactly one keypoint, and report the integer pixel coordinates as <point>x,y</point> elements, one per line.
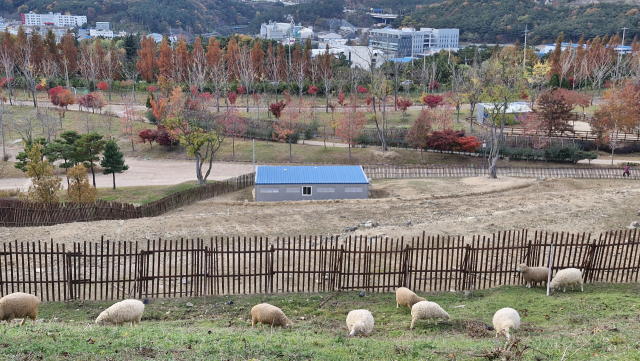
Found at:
<point>465,206</point>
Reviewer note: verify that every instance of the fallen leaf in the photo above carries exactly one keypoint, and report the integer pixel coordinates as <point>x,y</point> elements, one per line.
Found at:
<point>91,341</point>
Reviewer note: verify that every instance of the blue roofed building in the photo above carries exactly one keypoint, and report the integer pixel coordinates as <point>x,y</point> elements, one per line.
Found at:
<point>296,183</point>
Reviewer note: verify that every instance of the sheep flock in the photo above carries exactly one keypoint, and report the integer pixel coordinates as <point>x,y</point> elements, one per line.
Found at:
<point>360,322</point>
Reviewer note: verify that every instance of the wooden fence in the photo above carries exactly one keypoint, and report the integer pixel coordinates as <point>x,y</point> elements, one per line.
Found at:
<point>434,171</point>
<point>15,213</point>
<point>222,266</point>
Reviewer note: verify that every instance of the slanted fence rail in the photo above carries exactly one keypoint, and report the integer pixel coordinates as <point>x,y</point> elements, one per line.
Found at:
<point>232,265</point>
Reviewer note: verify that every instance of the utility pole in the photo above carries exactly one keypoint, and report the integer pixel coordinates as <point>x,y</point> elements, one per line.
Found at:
<point>620,52</point>
<point>524,59</point>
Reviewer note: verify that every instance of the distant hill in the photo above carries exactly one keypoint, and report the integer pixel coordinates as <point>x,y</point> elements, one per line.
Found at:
<point>505,20</point>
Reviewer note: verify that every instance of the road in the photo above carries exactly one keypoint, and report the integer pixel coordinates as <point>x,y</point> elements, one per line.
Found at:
<point>149,172</point>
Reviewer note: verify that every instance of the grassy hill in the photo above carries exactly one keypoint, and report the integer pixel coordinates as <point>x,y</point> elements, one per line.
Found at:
<point>504,20</point>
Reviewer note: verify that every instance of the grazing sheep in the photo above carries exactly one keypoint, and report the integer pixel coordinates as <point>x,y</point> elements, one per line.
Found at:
<point>533,274</point>
<point>427,310</point>
<point>360,322</point>
<point>268,314</point>
<point>122,312</point>
<point>504,319</point>
<point>19,305</point>
<point>406,297</point>
<point>567,277</point>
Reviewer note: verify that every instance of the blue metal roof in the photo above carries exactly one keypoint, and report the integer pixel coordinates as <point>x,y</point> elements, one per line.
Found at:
<point>350,174</point>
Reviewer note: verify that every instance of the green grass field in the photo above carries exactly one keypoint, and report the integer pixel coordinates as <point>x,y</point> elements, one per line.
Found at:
<point>600,324</point>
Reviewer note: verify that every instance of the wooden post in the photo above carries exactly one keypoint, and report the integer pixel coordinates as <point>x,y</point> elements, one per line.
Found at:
<point>69,274</point>
<point>204,296</point>
<point>550,268</point>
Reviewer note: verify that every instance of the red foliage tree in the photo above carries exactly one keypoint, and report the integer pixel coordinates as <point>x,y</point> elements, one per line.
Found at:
<point>404,104</point>
<point>362,89</point>
<point>467,144</point>
<point>148,136</point>
<point>151,88</point>
<point>62,98</point>
<point>232,96</point>
<point>164,137</point>
<point>434,85</point>
<point>341,98</point>
<point>445,140</point>
<point>313,90</point>
<point>102,85</point>
<point>277,108</point>
<point>242,90</point>
<point>432,101</point>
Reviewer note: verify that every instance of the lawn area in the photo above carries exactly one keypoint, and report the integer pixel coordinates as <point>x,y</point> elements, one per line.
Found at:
<point>137,195</point>
<point>599,324</point>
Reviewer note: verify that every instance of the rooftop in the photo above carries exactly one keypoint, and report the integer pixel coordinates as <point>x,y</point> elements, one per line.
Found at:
<point>310,175</point>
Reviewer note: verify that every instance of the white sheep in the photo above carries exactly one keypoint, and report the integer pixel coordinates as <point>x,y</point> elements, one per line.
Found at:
<point>406,297</point>
<point>360,322</point>
<point>533,274</point>
<point>19,305</point>
<point>427,310</point>
<point>567,277</point>
<point>122,312</point>
<point>271,315</point>
<point>505,319</point>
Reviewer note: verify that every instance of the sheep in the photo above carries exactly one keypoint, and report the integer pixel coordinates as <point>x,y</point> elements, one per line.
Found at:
<point>427,310</point>
<point>122,312</point>
<point>533,274</point>
<point>504,319</point>
<point>567,277</point>
<point>19,305</point>
<point>360,322</point>
<point>269,315</point>
<point>406,297</point>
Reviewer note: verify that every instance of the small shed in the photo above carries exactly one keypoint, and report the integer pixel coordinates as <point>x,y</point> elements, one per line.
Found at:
<point>296,183</point>
<point>485,109</point>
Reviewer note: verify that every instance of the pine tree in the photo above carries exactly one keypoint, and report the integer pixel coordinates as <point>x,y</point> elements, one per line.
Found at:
<point>113,160</point>
<point>89,146</point>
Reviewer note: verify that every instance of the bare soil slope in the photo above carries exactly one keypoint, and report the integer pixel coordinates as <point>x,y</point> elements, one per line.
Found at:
<point>465,206</point>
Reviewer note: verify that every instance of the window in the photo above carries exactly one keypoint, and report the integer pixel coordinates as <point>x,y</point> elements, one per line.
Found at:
<point>326,189</point>
<point>353,189</point>
<point>269,190</point>
<point>306,191</point>
<point>293,190</point>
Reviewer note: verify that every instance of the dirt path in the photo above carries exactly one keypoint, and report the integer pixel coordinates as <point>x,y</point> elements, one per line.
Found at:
<point>468,206</point>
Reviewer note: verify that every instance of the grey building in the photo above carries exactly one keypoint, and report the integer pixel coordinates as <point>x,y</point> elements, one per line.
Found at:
<point>396,43</point>
<point>295,183</point>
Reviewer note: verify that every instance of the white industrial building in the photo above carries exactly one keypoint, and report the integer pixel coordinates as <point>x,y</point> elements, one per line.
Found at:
<point>51,19</point>
<point>363,57</point>
<point>287,33</point>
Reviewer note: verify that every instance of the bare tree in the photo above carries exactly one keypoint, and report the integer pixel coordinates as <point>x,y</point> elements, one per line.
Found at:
<point>112,63</point>
<point>29,69</point>
<point>566,61</point>
<point>8,61</point>
<point>245,70</point>
<point>47,122</point>
<point>24,127</point>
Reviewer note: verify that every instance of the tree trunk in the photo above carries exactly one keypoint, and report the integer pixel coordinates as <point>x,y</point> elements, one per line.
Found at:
<point>114,180</point>
<point>199,170</point>
<point>93,174</point>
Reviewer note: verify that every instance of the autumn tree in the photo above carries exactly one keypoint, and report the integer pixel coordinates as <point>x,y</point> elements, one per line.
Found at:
<point>554,111</point>
<point>503,84</point>
<point>165,59</point>
<point>198,69</point>
<point>199,132</point>
<point>218,71</point>
<point>112,63</point>
<point>45,184</point>
<point>112,160</point>
<point>350,125</point>
<point>420,129</point>
<point>146,63</point>
<point>8,58</point>
<point>285,129</point>
<point>69,56</point>
<point>79,189</point>
<point>619,113</point>
<point>62,98</point>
